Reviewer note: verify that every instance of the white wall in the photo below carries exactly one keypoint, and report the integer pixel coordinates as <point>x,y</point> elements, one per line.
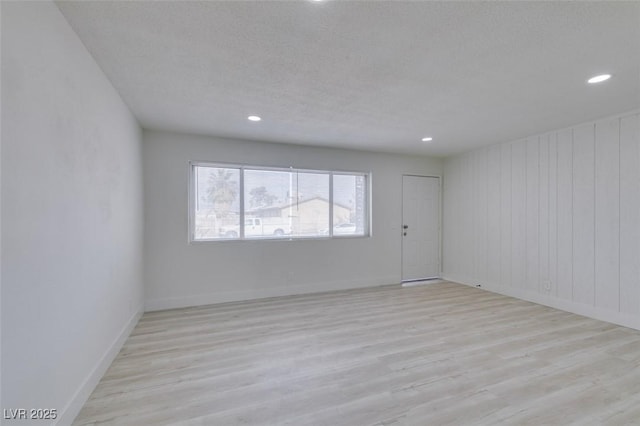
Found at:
<point>71,214</point>
<point>180,274</point>
<point>1,404</point>
<point>554,219</point>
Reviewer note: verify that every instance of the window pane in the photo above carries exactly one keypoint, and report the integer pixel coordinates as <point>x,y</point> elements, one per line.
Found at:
<point>217,209</point>
<point>308,204</point>
<point>349,205</point>
<point>265,203</point>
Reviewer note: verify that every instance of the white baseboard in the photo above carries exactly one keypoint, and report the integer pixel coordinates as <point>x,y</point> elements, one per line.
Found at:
<point>626,320</point>
<point>70,412</point>
<point>422,282</point>
<point>240,295</point>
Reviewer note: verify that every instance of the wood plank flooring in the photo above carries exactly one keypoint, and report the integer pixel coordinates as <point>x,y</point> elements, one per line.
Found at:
<point>441,354</point>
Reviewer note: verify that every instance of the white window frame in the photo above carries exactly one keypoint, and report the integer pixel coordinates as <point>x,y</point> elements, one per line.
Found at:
<point>242,167</point>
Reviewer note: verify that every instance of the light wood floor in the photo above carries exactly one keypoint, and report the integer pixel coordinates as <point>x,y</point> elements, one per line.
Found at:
<point>443,354</point>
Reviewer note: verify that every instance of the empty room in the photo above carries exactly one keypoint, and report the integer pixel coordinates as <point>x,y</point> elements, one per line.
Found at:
<point>320,212</point>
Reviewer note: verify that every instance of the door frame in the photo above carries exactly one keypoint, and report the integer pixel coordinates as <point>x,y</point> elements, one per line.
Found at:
<point>440,209</point>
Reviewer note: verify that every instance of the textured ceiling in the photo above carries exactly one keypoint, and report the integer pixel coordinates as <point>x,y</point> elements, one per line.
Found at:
<point>367,75</point>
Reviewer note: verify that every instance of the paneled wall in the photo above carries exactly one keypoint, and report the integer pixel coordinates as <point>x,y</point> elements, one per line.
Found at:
<point>554,219</point>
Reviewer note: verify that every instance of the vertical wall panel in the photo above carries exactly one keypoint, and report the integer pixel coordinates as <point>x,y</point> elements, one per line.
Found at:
<point>475,217</point>
<point>458,215</point>
<point>564,215</point>
<point>459,197</point>
<point>450,207</point>
<point>532,213</point>
<point>543,216</point>
<point>553,213</point>
<point>493,217</point>
<point>481,209</point>
<point>467,220</point>
<point>607,214</point>
<point>518,214</point>
<point>630,215</point>
<point>583,214</point>
<point>454,185</point>
<point>505,215</point>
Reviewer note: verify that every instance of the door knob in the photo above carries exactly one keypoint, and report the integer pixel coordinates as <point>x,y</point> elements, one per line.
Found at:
<point>405,226</point>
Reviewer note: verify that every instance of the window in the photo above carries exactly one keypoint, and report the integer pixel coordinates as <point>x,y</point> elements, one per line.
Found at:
<point>217,207</point>
<point>243,202</point>
<point>349,204</point>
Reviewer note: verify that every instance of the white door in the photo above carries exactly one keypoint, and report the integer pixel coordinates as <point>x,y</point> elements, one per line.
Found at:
<point>420,227</point>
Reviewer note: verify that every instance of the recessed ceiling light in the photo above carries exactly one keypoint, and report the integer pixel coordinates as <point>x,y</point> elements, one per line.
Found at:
<point>599,78</point>
<point>254,118</point>
<point>427,139</point>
